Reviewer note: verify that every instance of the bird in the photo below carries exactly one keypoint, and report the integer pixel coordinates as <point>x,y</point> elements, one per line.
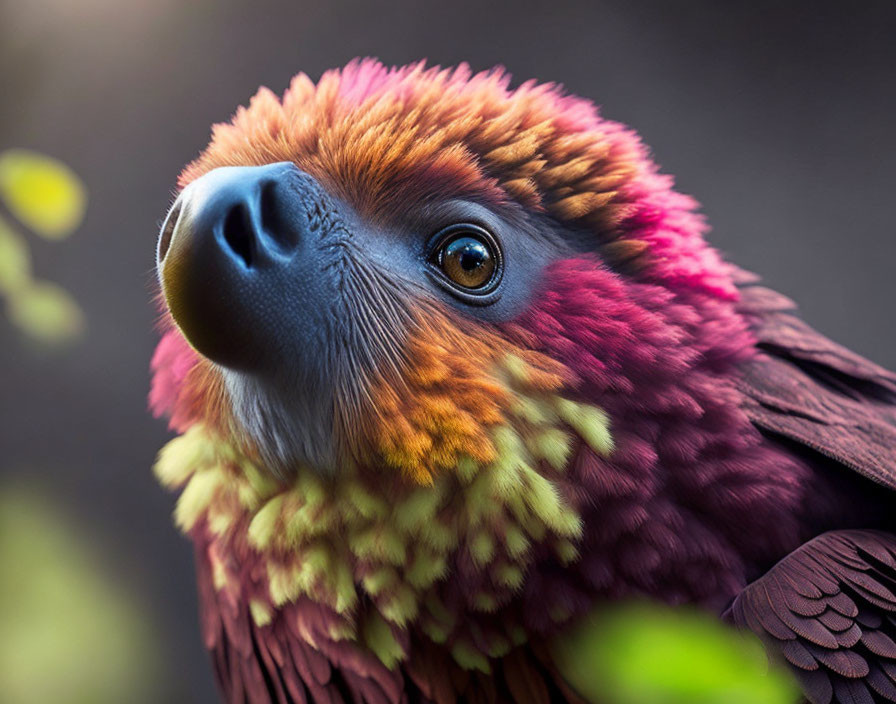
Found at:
<point>451,363</point>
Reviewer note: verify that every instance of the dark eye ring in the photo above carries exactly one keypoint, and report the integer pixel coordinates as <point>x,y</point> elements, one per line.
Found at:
<point>468,260</point>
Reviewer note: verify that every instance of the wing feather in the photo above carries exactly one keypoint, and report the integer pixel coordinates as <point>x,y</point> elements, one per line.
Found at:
<point>837,656</point>
<point>808,389</point>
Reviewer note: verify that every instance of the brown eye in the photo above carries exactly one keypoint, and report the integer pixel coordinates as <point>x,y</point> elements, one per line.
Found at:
<point>468,259</point>
<point>468,262</point>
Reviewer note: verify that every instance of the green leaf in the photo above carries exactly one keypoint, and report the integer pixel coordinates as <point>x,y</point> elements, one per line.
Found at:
<point>42,192</point>
<point>70,630</point>
<point>45,312</point>
<point>15,259</point>
<point>649,654</point>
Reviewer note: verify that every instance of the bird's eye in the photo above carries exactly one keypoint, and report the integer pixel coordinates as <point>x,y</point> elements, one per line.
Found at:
<point>468,257</point>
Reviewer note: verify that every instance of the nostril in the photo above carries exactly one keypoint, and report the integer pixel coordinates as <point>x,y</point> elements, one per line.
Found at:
<point>238,234</point>
<point>168,228</point>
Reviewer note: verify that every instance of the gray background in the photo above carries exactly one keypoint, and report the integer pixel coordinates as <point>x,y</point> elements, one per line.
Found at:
<point>778,117</point>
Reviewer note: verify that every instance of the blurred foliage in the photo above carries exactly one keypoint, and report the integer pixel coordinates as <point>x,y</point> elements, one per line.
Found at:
<point>42,192</point>
<point>46,196</point>
<point>46,312</point>
<point>15,260</point>
<point>68,632</point>
<point>644,653</point>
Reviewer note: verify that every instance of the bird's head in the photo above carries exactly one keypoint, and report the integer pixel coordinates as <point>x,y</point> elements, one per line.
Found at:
<point>416,322</point>
<point>352,263</point>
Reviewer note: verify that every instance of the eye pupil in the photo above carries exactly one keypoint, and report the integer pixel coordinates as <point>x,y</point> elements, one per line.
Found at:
<point>470,253</point>
<point>468,261</point>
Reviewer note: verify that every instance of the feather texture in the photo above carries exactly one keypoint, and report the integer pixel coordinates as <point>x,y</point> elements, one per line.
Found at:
<point>653,423</point>
<point>829,609</point>
<point>815,392</point>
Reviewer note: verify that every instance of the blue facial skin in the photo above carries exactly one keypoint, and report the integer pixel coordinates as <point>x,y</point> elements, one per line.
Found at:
<point>301,303</point>
<point>262,268</point>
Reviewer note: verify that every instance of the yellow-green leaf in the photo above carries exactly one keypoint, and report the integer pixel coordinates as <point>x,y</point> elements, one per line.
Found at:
<point>15,259</point>
<point>649,654</point>
<point>42,192</point>
<point>71,630</point>
<point>45,312</point>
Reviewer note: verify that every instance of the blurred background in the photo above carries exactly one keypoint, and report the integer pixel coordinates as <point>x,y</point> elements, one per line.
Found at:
<point>778,117</point>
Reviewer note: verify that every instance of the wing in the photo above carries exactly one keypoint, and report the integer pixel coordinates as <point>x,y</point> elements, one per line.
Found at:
<point>829,609</point>
<point>804,387</point>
